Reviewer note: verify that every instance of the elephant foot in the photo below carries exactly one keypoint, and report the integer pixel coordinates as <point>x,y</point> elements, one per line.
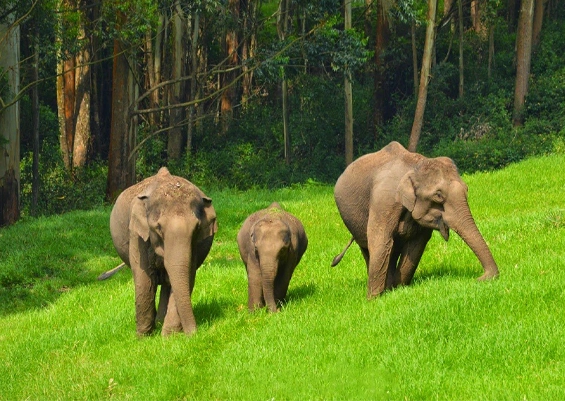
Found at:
<point>371,296</point>
<point>490,275</point>
<point>143,334</point>
<point>168,330</point>
<point>144,330</point>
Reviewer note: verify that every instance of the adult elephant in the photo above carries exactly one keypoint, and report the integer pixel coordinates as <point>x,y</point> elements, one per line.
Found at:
<point>271,243</point>
<point>392,200</point>
<point>163,229</point>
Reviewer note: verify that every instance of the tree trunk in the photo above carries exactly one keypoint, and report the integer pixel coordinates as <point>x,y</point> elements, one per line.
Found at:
<point>523,59</point>
<point>35,115</point>
<point>381,42</point>
<point>248,47</point>
<point>282,28</point>
<point>73,98</point>
<point>490,50</point>
<point>478,25</point>
<point>83,91</point>
<point>193,80</point>
<point>424,77</point>
<point>414,57</point>
<point>461,38</point>
<point>538,21</point>
<point>10,126</point>
<point>348,97</point>
<point>174,144</point>
<point>121,162</point>
<point>232,60</point>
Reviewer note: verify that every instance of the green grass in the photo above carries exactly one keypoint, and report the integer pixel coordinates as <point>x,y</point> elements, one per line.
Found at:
<point>64,335</point>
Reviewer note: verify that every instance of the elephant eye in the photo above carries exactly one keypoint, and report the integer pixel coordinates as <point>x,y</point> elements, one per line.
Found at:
<point>438,197</point>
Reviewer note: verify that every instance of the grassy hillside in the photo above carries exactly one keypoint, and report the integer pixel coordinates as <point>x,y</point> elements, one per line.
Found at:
<point>64,335</point>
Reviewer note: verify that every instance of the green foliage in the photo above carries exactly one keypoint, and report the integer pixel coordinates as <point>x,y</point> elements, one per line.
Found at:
<point>67,336</point>
<point>59,190</point>
<point>128,20</point>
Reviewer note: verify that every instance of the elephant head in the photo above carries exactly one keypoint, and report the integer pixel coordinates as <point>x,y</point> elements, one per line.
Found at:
<point>271,239</point>
<point>436,196</point>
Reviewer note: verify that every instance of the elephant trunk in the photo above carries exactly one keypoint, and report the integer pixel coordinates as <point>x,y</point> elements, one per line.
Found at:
<point>268,273</point>
<point>179,262</point>
<point>464,225</point>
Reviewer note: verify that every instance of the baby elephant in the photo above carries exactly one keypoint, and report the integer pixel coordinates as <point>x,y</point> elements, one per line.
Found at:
<point>271,243</point>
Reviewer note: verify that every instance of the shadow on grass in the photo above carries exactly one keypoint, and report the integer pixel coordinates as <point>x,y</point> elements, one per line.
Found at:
<point>43,258</point>
<point>211,310</point>
<point>297,294</point>
<point>444,271</point>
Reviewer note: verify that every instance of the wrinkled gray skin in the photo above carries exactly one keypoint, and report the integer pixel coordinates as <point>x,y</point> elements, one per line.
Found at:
<point>392,200</point>
<point>163,229</point>
<point>271,243</point>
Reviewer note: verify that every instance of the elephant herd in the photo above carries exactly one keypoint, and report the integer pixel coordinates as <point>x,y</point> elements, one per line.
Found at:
<point>390,201</point>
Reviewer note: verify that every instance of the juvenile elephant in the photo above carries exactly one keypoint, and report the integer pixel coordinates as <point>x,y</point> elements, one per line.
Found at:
<point>271,243</point>
<point>392,200</point>
<point>163,229</point>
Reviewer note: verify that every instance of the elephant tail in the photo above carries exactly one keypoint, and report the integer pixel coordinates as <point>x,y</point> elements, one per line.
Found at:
<point>338,258</point>
<point>110,273</point>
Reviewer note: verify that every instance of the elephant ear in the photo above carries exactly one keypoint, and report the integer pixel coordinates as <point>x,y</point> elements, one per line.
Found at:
<point>406,191</point>
<point>406,194</point>
<point>138,218</point>
<point>208,222</point>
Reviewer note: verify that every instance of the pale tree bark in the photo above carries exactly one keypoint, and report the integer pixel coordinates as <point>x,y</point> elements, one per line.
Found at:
<point>123,132</point>
<point>424,77</point>
<point>174,144</point>
<point>282,28</point>
<point>538,21</point>
<point>74,97</point>
<point>10,125</point>
<point>523,59</point>
<point>348,98</point>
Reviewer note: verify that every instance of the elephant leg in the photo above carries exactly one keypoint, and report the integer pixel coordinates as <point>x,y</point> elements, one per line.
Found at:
<point>145,287</point>
<point>164,297</point>
<point>393,273</point>
<point>411,254</point>
<point>255,298</point>
<point>172,323</point>
<point>380,248</point>
<point>282,280</point>
<point>378,267</point>
<point>365,253</point>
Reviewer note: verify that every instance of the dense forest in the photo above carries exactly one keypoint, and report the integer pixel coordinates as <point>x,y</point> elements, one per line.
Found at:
<point>97,94</point>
